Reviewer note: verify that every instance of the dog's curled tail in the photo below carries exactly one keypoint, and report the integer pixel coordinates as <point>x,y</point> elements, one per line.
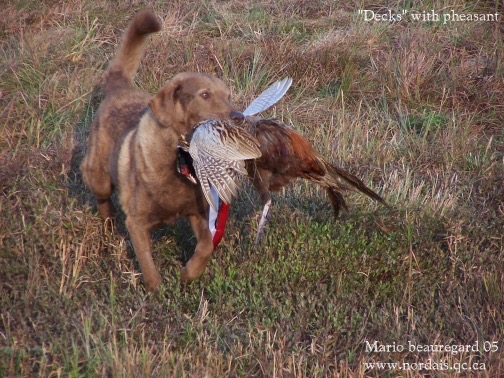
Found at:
<point>124,65</point>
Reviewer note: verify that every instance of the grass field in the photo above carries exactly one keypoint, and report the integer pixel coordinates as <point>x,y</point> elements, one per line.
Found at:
<point>416,109</point>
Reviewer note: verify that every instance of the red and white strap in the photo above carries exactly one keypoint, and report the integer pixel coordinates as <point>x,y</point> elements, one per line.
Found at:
<point>217,219</point>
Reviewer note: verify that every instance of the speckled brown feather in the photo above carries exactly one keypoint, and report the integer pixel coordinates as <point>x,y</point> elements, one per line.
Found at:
<point>286,156</point>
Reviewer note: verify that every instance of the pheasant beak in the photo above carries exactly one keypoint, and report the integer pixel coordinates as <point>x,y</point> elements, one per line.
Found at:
<point>237,117</point>
<point>187,173</point>
<point>184,164</point>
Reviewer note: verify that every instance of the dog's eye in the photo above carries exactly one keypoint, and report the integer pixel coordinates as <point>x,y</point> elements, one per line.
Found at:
<point>205,95</point>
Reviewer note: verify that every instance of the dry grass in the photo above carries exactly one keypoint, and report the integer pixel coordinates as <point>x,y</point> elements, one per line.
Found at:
<point>415,109</point>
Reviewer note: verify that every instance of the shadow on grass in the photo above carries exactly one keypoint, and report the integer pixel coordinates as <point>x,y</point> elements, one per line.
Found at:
<point>75,184</point>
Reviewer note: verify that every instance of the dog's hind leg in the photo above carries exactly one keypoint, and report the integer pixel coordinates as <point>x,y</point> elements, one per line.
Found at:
<point>105,208</point>
<point>204,249</point>
<point>93,170</point>
<point>100,183</point>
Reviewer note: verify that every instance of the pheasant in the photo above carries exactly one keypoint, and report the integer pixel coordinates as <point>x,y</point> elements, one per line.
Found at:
<point>286,156</point>
<point>269,152</point>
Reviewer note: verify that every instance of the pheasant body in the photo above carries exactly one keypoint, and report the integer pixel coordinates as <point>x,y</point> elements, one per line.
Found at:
<point>287,156</point>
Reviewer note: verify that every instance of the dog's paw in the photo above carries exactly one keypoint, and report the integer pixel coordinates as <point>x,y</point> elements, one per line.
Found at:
<point>185,277</point>
<point>152,283</point>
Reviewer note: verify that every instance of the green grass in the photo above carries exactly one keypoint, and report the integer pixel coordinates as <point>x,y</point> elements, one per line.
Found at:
<point>414,109</point>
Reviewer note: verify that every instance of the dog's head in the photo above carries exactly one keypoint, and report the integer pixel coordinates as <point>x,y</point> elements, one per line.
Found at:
<point>190,98</point>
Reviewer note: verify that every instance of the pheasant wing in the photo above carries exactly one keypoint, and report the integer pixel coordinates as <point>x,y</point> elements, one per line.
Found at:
<point>201,173</point>
<point>219,139</point>
<point>218,151</point>
<point>269,97</point>
<point>224,185</point>
<point>234,144</point>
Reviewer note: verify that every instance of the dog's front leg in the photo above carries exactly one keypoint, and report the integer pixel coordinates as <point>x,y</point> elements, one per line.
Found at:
<point>204,249</point>
<point>140,237</point>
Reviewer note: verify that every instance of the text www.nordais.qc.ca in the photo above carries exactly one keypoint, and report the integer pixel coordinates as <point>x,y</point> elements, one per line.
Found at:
<point>443,363</point>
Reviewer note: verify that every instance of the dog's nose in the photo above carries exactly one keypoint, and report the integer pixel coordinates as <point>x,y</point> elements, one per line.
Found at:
<point>236,116</point>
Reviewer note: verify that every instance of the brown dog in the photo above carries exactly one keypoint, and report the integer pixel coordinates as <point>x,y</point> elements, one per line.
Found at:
<point>133,146</point>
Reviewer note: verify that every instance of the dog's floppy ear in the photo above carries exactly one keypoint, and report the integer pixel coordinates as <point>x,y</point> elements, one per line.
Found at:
<point>164,102</point>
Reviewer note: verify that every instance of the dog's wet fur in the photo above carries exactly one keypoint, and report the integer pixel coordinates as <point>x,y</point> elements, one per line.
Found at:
<point>133,148</point>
